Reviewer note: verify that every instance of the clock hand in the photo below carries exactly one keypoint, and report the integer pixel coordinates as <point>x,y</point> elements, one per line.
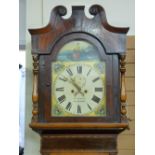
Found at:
<point>77,87</point>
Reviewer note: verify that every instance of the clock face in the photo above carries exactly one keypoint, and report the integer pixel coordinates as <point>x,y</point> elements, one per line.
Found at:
<point>78,81</point>
<point>78,88</point>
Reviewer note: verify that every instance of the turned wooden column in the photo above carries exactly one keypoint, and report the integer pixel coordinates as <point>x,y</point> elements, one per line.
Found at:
<point>123,88</point>
<point>35,94</point>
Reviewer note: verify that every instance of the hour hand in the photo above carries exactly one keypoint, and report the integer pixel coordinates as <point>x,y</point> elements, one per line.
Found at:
<point>77,87</point>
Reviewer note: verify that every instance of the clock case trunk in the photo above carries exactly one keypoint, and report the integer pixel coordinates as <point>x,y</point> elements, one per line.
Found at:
<point>94,133</point>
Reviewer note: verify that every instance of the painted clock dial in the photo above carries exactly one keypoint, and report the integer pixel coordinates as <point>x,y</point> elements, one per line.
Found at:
<point>78,87</point>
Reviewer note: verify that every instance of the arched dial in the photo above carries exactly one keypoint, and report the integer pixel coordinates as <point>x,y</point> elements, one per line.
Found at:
<point>79,89</point>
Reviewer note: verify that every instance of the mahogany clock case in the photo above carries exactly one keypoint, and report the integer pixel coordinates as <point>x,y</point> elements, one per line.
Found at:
<point>90,134</point>
<point>46,44</point>
<point>112,82</point>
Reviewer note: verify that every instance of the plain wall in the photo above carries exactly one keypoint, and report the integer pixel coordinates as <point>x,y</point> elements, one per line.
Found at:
<point>119,13</point>
<point>22,22</point>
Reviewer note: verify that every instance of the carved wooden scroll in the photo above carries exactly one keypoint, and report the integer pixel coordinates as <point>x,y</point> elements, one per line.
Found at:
<point>35,88</point>
<point>123,88</point>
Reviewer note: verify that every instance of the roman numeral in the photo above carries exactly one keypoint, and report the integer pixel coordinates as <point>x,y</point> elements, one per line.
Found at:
<point>63,79</point>
<point>98,89</point>
<point>78,109</point>
<point>96,99</point>
<point>60,89</point>
<point>89,106</point>
<point>69,71</point>
<point>96,79</point>
<point>69,106</point>
<point>62,98</point>
<point>79,69</point>
<point>89,72</point>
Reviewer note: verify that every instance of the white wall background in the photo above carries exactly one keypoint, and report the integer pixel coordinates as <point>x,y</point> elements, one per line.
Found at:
<point>22,21</point>
<point>119,13</point>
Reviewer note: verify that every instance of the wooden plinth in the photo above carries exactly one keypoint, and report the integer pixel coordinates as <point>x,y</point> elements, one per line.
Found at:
<point>78,144</point>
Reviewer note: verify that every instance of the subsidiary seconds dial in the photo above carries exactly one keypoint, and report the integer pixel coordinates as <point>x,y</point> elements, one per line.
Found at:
<point>79,89</point>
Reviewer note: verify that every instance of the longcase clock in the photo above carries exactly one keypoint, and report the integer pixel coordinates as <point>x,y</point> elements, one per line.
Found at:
<point>79,98</point>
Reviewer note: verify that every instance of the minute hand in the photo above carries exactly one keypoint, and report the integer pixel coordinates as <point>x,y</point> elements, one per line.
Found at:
<point>77,87</point>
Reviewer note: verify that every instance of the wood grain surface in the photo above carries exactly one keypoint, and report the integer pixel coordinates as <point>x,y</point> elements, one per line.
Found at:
<point>79,153</point>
